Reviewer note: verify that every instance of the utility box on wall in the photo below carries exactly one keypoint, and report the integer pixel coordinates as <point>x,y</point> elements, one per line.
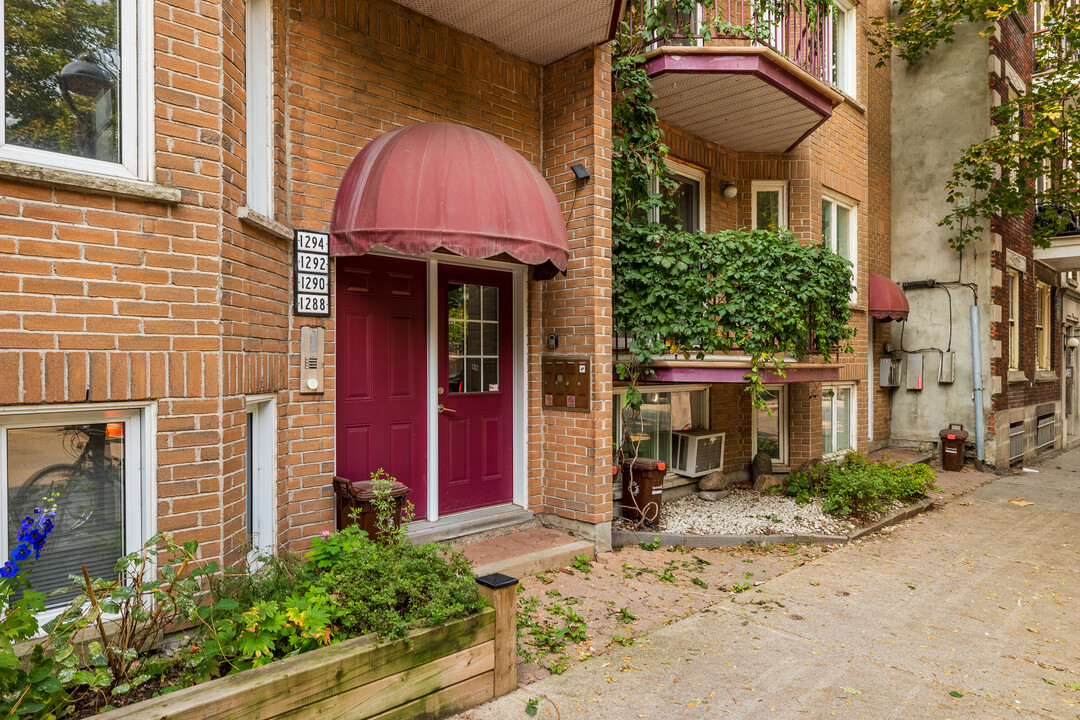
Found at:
<point>889,372</point>
<point>945,374</point>
<point>914,372</point>
<point>566,382</point>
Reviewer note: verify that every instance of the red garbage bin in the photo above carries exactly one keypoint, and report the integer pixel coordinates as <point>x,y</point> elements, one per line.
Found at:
<point>643,488</point>
<point>952,447</point>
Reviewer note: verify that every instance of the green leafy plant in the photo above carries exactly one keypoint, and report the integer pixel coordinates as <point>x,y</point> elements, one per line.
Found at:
<point>626,616</point>
<point>154,590</point>
<point>740,587</point>
<point>651,545</point>
<point>854,486</point>
<point>583,564</point>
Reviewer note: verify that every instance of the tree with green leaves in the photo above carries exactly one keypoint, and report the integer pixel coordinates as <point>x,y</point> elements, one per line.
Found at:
<point>1033,156</point>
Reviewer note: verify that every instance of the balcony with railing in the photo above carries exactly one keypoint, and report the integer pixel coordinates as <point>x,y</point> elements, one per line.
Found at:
<point>763,83</point>
<point>540,31</point>
<point>1064,252</point>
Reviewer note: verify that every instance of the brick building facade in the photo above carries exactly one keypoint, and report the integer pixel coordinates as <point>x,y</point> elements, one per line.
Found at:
<point>150,355</point>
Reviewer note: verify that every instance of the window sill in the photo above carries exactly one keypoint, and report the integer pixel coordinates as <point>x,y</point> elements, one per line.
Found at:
<point>97,184</point>
<point>1046,376</point>
<point>1017,376</point>
<point>260,221</point>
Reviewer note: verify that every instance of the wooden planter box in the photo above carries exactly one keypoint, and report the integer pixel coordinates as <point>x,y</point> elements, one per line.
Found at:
<point>445,670</point>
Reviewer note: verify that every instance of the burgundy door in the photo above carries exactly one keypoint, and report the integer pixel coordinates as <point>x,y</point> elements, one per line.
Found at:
<point>475,389</point>
<point>381,371</point>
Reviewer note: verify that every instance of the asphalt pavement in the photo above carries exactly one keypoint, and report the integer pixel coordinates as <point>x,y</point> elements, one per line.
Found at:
<point>969,611</point>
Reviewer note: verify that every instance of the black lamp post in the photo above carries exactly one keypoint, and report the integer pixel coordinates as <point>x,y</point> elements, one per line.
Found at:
<point>86,79</point>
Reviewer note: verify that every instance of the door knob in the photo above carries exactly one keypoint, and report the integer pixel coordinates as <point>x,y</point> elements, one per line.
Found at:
<point>445,409</point>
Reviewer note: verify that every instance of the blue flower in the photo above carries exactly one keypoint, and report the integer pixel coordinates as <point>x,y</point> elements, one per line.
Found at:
<point>9,570</point>
<point>21,552</point>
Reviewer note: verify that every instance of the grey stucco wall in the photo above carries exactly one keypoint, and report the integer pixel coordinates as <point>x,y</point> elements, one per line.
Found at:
<point>939,105</point>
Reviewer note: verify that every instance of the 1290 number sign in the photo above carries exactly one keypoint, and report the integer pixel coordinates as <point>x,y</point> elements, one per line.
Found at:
<point>311,273</point>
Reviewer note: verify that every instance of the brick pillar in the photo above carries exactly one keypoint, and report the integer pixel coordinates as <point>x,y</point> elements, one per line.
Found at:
<point>804,411</point>
<point>570,452</point>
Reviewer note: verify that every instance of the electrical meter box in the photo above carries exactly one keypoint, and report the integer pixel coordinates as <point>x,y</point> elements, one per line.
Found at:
<point>914,372</point>
<point>889,372</point>
<point>566,382</point>
<point>945,374</point>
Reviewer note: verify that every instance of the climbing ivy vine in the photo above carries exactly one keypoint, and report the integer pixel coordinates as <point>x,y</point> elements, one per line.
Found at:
<point>761,293</point>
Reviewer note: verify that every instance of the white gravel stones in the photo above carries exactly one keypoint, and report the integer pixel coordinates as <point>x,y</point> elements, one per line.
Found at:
<point>744,512</point>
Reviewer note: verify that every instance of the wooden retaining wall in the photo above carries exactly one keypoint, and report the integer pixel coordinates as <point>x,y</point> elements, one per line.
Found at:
<point>444,670</point>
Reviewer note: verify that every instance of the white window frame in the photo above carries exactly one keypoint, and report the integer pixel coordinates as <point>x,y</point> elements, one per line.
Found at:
<point>136,103</point>
<point>1014,319</point>
<point>757,186</point>
<point>845,79</point>
<point>853,236</point>
<point>853,416</point>
<point>263,464</point>
<point>260,108</point>
<point>620,393</point>
<point>140,462</point>
<point>1044,307</point>
<point>782,396</point>
<point>684,172</point>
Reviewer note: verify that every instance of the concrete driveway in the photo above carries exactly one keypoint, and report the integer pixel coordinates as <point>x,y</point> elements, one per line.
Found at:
<point>980,598</point>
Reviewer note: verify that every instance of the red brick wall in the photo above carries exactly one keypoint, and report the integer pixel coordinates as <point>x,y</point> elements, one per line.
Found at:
<point>570,454</point>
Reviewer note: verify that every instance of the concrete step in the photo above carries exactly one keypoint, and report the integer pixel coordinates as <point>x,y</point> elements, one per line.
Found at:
<point>526,552</point>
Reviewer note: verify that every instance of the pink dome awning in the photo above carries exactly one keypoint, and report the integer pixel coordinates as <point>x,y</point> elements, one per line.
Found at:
<point>887,301</point>
<point>438,185</point>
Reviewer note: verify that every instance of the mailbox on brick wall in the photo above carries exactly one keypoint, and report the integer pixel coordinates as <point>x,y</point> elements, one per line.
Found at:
<point>566,382</point>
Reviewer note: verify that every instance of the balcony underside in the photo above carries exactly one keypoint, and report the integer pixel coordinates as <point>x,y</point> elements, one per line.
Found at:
<point>1063,254</point>
<point>749,99</point>
<point>540,31</point>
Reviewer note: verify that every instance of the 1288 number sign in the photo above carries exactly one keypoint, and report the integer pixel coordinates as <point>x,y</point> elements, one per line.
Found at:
<point>311,273</point>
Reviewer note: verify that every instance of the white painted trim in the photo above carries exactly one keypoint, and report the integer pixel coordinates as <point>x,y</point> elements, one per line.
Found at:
<point>870,379</point>
<point>852,240</point>
<point>259,111</point>
<point>432,389</point>
<point>521,390</point>
<point>853,416</point>
<point>674,167</point>
<point>757,186</point>
<point>785,450</point>
<point>263,409</point>
<point>847,75</point>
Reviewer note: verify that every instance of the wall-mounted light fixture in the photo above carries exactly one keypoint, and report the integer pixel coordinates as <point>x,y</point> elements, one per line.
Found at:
<point>580,172</point>
<point>1073,342</point>
<point>730,190</point>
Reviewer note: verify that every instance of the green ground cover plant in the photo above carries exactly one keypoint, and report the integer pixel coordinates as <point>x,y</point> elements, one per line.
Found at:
<point>105,648</point>
<point>853,486</point>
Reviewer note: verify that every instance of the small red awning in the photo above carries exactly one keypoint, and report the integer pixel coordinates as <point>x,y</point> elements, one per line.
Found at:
<point>438,185</point>
<point>887,301</point>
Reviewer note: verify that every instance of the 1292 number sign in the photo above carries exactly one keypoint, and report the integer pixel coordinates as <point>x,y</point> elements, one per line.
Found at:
<point>311,274</point>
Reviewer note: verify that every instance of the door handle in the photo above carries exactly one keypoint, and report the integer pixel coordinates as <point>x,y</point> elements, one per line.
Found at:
<point>445,409</point>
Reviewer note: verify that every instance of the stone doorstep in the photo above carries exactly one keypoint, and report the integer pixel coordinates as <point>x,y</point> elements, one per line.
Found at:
<point>526,552</point>
<point>619,538</point>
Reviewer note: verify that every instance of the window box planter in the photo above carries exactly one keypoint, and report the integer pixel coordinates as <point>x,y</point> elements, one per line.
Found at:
<point>440,671</point>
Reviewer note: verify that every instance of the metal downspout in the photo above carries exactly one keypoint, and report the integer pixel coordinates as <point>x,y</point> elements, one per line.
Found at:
<point>977,388</point>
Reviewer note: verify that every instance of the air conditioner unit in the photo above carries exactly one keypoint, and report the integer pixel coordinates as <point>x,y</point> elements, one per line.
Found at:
<point>697,452</point>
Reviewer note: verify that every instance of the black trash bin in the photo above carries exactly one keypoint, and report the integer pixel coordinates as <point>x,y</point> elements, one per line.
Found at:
<point>358,495</point>
<point>643,488</point>
<point>952,446</point>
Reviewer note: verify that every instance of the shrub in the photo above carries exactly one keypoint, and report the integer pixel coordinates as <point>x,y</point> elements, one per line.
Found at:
<point>388,588</point>
<point>855,486</point>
